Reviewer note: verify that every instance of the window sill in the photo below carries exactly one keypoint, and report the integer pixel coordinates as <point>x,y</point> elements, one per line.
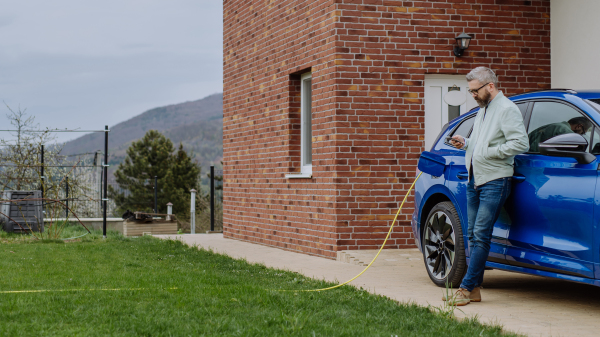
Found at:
<point>298,175</point>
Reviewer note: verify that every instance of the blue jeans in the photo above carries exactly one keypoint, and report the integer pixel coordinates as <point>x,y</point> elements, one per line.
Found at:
<point>484,204</point>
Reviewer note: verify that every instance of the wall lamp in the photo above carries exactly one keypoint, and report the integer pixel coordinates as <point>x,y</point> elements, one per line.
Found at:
<point>462,42</point>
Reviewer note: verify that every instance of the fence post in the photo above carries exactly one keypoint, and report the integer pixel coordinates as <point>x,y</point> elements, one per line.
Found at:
<point>42,171</point>
<point>169,211</point>
<point>105,167</point>
<point>212,198</point>
<point>193,212</point>
<point>66,197</point>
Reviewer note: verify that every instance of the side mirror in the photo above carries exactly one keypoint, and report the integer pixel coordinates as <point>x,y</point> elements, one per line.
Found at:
<point>570,145</point>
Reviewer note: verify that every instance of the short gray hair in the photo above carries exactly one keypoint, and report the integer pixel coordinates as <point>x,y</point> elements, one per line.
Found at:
<point>483,75</point>
<point>581,120</point>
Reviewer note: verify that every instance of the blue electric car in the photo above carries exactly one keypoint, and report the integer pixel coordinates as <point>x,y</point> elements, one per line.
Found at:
<point>549,226</point>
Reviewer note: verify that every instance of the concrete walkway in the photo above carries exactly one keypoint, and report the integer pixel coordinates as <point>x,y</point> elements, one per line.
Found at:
<point>524,304</point>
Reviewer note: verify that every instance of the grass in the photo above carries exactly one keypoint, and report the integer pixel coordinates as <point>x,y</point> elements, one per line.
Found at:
<point>214,295</point>
<point>70,230</point>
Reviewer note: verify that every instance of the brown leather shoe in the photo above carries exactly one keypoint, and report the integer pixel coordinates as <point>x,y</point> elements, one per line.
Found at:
<point>475,295</point>
<point>461,297</point>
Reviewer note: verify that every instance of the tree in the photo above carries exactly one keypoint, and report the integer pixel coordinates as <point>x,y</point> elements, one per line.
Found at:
<point>153,155</point>
<point>20,164</point>
<point>149,157</point>
<point>182,177</point>
<point>20,156</point>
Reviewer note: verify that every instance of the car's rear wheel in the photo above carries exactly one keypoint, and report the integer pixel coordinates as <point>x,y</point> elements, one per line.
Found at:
<point>443,248</point>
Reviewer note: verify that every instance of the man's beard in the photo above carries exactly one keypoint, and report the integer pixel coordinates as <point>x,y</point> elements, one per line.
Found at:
<point>483,102</point>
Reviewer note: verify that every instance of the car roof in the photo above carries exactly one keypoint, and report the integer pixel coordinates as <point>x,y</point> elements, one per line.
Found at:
<point>559,93</point>
<point>543,93</point>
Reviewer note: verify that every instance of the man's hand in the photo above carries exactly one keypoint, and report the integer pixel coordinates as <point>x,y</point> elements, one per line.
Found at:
<point>457,141</point>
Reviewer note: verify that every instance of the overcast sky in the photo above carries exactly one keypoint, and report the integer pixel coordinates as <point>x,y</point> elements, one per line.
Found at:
<point>86,64</point>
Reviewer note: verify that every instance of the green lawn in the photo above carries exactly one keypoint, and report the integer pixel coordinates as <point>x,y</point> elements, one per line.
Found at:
<point>214,295</point>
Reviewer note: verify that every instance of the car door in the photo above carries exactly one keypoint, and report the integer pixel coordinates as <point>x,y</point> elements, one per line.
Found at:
<point>551,204</point>
<point>457,183</point>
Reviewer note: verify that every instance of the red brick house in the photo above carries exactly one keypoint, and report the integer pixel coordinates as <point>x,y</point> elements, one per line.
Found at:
<point>328,104</point>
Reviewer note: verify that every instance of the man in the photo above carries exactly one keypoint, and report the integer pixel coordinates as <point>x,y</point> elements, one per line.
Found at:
<point>498,135</point>
<point>579,125</point>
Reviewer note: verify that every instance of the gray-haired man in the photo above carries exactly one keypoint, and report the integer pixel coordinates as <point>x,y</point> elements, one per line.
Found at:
<point>498,135</point>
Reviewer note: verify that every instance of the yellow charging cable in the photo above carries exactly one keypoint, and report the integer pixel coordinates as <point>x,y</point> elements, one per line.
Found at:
<point>380,249</point>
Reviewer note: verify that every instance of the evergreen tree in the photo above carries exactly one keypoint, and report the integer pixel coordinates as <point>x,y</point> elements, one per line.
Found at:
<point>149,157</point>
<point>183,176</point>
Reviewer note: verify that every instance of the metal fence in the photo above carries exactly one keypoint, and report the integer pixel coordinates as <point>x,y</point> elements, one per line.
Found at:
<point>77,182</point>
<point>90,205</point>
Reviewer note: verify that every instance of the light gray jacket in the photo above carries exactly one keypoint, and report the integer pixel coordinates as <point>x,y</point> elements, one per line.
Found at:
<point>495,141</point>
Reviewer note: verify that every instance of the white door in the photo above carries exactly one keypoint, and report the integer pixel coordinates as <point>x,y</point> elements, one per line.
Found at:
<point>437,111</point>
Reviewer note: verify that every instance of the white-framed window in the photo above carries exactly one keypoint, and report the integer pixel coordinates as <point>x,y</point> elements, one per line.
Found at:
<point>306,122</point>
<point>305,127</point>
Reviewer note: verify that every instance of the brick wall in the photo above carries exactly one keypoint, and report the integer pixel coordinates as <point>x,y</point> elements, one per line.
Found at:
<point>267,45</point>
<point>369,59</point>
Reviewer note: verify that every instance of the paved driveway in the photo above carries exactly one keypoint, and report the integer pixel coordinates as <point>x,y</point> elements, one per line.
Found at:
<point>525,304</point>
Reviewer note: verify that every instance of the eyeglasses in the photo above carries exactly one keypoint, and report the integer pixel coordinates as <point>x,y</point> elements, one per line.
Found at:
<point>476,91</point>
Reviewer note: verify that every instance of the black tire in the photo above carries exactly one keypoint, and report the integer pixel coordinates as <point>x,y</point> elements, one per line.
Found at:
<point>443,247</point>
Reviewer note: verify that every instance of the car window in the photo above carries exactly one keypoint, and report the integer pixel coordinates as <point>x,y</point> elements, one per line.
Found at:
<point>523,108</point>
<point>465,127</point>
<point>550,119</point>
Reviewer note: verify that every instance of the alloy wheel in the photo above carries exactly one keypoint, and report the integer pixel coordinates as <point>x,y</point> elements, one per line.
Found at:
<point>439,245</point>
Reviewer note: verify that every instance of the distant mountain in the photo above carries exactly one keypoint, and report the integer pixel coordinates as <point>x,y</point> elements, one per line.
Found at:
<point>198,125</point>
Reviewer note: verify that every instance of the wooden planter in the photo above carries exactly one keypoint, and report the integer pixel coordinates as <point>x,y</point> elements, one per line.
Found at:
<point>133,228</point>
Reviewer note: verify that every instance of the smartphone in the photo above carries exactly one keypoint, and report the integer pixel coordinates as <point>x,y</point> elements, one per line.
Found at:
<point>448,139</point>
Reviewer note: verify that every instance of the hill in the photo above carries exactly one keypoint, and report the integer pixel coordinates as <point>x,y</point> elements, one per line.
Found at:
<point>197,124</point>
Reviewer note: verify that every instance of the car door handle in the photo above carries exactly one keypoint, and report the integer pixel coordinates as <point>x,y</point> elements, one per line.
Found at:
<point>518,179</point>
<point>462,175</point>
